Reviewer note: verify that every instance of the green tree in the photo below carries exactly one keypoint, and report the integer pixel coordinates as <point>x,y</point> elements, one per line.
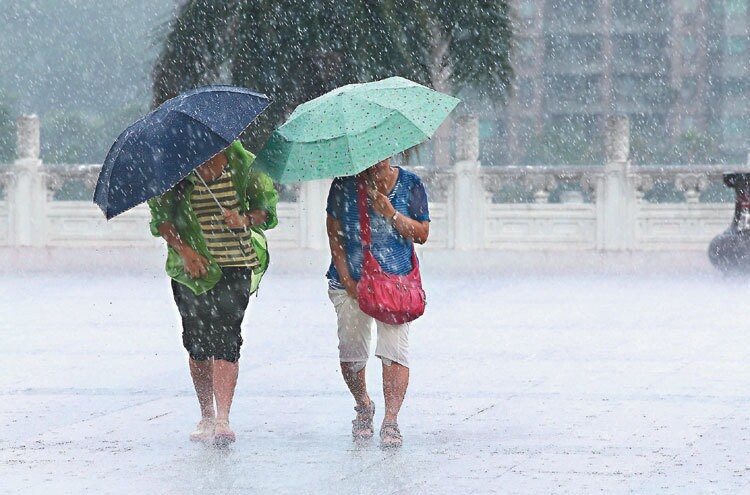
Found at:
<point>695,147</point>
<point>8,114</point>
<point>7,134</point>
<point>295,50</point>
<point>71,137</point>
<point>568,141</point>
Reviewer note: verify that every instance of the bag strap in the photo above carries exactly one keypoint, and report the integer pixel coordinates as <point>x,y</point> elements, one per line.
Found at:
<point>364,217</point>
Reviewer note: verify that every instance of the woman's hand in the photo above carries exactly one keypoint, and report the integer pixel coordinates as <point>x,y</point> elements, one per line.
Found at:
<point>195,264</point>
<point>380,203</point>
<point>235,220</point>
<point>256,217</point>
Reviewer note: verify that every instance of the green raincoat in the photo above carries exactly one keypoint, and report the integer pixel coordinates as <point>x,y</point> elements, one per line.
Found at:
<point>255,191</point>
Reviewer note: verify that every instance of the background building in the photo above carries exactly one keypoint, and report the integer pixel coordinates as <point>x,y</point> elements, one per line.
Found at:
<point>678,68</point>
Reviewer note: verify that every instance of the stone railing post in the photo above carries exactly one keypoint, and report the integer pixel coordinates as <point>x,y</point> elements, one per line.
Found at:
<point>26,191</point>
<point>312,202</point>
<point>615,224</point>
<point>468,196</point>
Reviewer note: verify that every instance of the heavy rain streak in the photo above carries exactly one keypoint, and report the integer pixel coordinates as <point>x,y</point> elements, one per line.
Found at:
<point>477,246</point>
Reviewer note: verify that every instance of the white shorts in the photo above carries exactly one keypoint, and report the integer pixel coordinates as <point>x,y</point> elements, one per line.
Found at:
<point>354,328</point>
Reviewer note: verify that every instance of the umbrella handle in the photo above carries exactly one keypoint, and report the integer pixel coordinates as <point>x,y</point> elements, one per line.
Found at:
<point>244,228</point>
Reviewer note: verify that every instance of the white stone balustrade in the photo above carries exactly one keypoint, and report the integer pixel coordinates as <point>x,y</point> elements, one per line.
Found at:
<point>472,206</point>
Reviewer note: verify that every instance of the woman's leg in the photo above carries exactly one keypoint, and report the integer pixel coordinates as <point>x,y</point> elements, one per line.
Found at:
<point>231,297</point>
<point>202,373</point>
<point>393,350</point>
<point>224,382</point>
<point>194,339</point>
<point>395,383</point>
<point>354,331</point>
<point>356,382</point>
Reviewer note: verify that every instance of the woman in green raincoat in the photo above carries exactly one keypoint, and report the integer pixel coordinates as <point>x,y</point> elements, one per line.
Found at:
<point>213,222</point>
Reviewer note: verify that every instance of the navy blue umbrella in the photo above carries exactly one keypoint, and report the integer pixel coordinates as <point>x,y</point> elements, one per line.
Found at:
<point>162,148</point>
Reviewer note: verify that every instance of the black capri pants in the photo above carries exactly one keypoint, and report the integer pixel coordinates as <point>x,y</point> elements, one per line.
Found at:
<point>211,321</point>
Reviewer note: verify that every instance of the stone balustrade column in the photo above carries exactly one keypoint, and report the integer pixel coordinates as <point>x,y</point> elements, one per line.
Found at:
<point>615,216</point>
<point>26,192</point>
<point>691,185</point>
<point>312,202</point>
<point>468,197</point>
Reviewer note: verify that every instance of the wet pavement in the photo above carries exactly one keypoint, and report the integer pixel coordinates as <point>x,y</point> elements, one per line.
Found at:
<point>522,384</point>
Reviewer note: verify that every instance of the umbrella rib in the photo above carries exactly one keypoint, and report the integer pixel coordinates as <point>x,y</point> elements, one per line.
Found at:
<point>174,183</point>
<point>177,110</point>
<point>366,97</point>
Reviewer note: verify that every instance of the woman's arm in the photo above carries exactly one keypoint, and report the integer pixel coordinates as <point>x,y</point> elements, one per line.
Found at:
<point>336,243</point>
<point>195,263</point>
<point>252,218</point>
<point>414,230</point>
<point>161,224</point>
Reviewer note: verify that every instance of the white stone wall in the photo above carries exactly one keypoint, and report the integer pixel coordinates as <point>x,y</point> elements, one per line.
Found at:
<point>465,212</point>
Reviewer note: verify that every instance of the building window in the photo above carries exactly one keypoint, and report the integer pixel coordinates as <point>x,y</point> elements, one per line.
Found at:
<point>640,93</point>
<point>687,124</point>
<point>625,89</point>
<point>629,13</point>
<point>735,128</point>
<point>736,46</point>
<point>564,14</point>
<point>689,49</point>
<point>688,90</point>
<point>526,9</point>
<point>689,6</point>
<point>639,52</point>
<point>573,52</point>
<point>525,92</point>
<point>572,93</point>
<point>524,53</point>
<point>736,8</point>
<point>735,87</point>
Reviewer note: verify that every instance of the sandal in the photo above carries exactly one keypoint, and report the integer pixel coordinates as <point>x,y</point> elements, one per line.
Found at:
<point>362,428</point>
<point>390,436</point>
<point>204,432</point>
<point>223,435</point>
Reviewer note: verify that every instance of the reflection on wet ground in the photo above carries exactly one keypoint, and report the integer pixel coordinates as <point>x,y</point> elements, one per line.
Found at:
<point>539,384</point>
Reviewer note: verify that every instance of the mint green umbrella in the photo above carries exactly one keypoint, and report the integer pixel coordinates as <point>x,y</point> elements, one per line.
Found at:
<point>352,128</point>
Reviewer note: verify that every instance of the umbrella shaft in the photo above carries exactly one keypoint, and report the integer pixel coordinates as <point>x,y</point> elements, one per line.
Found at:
<point>210,191</point>
<point>244,229</point>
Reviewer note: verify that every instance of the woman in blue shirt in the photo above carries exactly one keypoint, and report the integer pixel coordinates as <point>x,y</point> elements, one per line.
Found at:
<point>399,217</point>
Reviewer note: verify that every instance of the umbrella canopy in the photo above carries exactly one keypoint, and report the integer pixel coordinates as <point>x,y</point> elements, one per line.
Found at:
<point>162,148</point>
<point>352,128</point>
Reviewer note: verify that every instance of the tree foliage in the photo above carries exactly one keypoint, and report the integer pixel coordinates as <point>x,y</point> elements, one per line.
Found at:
<point>296,50</point>
<point>7,129</point>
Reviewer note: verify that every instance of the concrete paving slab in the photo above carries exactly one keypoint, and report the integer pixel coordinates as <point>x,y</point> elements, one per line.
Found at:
<point>521,383</point>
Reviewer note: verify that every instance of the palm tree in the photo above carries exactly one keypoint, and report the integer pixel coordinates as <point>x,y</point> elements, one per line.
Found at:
<point>296,50</point>
<point>453,46</point>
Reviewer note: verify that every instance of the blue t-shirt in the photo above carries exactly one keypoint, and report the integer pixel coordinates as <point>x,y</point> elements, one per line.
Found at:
<point>391,249</point>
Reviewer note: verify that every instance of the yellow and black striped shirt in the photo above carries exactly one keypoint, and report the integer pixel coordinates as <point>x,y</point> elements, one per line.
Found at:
<point>230,248</point>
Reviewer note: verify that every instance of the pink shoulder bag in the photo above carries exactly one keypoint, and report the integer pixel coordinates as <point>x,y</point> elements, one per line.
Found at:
<point>392,299</point>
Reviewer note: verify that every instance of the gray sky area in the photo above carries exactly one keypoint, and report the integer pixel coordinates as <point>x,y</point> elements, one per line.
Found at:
<point>83,66</point>
<point>83,54</point>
